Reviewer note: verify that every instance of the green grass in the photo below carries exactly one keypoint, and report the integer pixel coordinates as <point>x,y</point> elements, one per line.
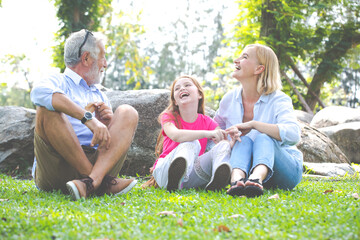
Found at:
<point>304,213</point>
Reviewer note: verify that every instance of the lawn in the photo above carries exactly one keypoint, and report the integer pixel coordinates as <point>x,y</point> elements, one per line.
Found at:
<point>315,209</point>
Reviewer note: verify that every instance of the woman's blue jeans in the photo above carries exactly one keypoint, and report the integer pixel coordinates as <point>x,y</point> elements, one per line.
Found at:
<point>285,170</point>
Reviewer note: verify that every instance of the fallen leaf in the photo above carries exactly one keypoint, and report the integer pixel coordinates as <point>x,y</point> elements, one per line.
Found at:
<point>355,195</point>
<point>222,228</point>
<point>180,222</point>
<point>3,200</point>
<point>275,196</point>
<point>237,216</point>
<point>328,191</point>
<point>167,213</point>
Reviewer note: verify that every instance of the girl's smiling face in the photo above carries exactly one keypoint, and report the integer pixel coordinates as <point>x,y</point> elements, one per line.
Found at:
<point>185,92</point>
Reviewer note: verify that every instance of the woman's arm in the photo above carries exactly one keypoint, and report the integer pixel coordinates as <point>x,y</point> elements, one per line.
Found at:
<point>184,135</point>
<point>270,129</point>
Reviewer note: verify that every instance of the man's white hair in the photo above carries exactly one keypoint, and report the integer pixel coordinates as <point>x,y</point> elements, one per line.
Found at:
<point>73,43</point>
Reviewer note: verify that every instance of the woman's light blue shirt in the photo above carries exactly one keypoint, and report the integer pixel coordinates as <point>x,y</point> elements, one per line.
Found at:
<point>275,108</point>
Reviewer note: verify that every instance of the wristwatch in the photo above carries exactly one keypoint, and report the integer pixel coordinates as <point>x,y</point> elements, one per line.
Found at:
<point>87,116</point>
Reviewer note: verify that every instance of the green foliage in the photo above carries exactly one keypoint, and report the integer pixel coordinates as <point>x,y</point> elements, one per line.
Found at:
<point>193,41</point>
<point>316,35</point>
<point>127,68</point>
<point>14,96</point>
<point>74,16</point>
<point>17,91</point>
<point>316,209</point>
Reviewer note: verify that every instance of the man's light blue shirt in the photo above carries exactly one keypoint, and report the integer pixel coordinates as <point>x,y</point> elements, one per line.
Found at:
<point>275,108</point>
<point>73,86</point>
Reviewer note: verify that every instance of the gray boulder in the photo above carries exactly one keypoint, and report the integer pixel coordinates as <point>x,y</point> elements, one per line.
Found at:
<point>16,137</point>
<point>149,104</point>
<point>335,115</point>
<point>329,169</point>
<point>317,147</point>
<point>303,116</point>
<point>347,137</point>
<point>17,128</point>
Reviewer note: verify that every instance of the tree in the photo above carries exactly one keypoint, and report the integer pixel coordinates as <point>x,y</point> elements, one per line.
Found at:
<point>193,41</point>
<point>311,35</point>
<point>16,93</point>
<point>127,68</point>
<point>77,15</point>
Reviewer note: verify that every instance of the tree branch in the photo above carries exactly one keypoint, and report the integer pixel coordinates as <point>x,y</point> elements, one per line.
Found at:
<point>301,77</point>
<point>301,99</point>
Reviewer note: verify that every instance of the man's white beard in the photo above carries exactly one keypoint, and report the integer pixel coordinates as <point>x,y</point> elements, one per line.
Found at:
<point>94,74</point>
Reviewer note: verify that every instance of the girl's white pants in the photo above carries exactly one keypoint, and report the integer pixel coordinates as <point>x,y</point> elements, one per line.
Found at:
<point>199,169</point>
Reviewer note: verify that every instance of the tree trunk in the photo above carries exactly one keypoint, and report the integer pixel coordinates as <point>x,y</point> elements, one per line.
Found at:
<point>268,21</point>
<point>330,63</point>
<point>301,77</point>
<point>301,99</point>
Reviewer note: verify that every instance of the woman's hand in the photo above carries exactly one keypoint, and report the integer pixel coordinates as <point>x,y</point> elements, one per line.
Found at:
<point>234,134</point>
<point>244,128</point>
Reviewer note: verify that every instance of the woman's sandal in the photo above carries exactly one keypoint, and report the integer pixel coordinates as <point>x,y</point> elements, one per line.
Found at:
<point>238,190</point>
<point>253,190</point>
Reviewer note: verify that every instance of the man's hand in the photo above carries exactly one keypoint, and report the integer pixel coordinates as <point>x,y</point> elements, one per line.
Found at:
<point>102,112</point>
<point>101,133</point>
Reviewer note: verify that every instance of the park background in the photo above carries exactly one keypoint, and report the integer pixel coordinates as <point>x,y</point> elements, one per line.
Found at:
<point>150,43</point>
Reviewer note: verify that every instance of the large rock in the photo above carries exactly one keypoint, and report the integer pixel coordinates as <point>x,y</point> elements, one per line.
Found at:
<point>303,116</point>
<point>17,126</point>
<point>317,147</point>
<point>329,169</point>
<point>335,115</point>
<point>16,137</point>
<point>347,137</point>
<point>149,104</point>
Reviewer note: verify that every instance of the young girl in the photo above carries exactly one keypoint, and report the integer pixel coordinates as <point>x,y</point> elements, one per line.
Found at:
<point>182,143</point>
<point>266,155</point>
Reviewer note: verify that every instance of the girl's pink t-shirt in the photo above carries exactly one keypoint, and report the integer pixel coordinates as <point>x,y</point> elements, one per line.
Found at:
<point>202,122</point>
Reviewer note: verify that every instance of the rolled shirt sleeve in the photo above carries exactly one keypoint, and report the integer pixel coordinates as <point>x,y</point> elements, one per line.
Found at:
<point>41,94</point>
<point>289,129</point>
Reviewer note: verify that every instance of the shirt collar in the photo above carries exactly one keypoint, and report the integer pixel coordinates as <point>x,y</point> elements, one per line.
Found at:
<point>76,78</point>
<point>263,98</point>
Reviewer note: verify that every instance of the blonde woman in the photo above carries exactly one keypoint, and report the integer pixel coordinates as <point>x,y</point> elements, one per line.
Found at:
<point>265,155</point>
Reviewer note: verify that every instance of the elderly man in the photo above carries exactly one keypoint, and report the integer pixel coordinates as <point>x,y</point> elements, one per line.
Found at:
<point>80,144</point>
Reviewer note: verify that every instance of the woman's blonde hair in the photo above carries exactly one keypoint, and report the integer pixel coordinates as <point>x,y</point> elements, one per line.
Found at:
<point>173,110</point>
<point>269,80</point>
